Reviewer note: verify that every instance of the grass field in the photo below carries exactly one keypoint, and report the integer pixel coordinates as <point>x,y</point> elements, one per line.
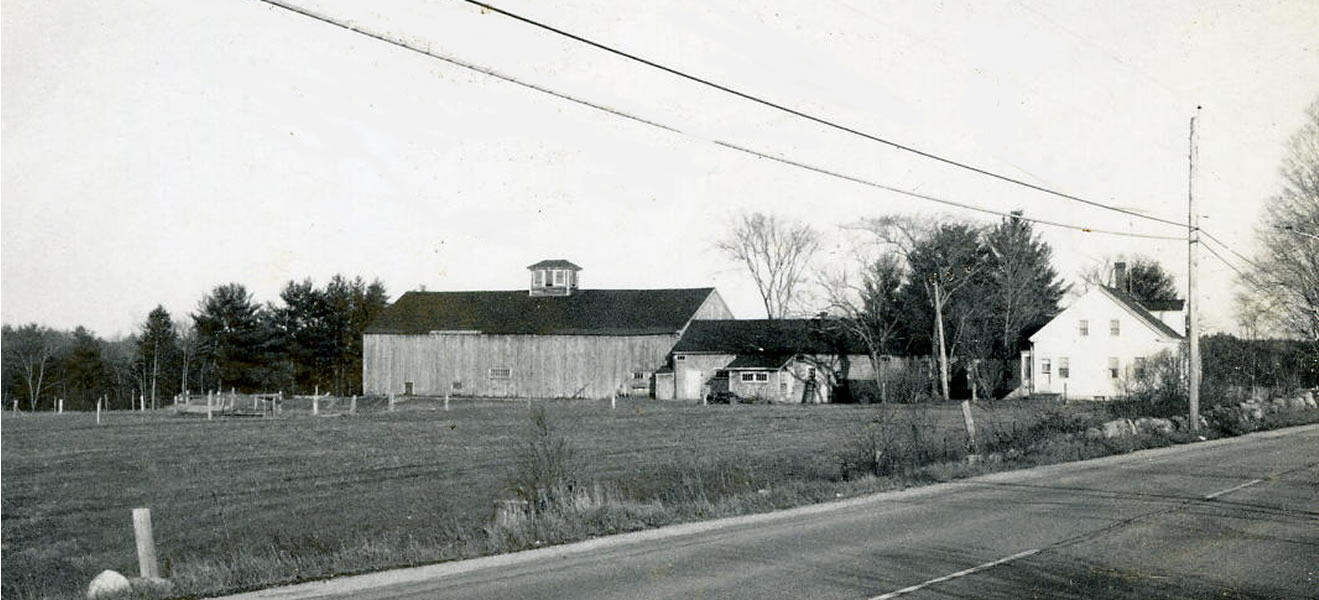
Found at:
<point>246,502</point>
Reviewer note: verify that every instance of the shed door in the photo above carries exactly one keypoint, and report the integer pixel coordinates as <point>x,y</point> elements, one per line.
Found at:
<point>691,385</point>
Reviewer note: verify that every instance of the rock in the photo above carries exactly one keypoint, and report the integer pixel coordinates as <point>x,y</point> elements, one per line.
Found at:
<point>1252,411</point>
<point>1094,433</point>
<point>1118,428</point>
<point>1154,425</point>
<point>109,584</point>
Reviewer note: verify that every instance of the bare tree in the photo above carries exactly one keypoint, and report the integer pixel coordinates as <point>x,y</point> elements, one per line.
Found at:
<point>777,253</point>
<point>867,310</point>
<point>32,349</point>
<point>1287,270</point>
<point>944,259</point>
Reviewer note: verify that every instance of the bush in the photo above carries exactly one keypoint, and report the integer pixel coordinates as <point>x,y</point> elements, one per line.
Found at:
<point>545,466</point>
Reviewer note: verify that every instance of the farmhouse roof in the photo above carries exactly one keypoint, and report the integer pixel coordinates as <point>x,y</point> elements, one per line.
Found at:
<point>585,312</point>
<point>1142,312</point>
<point>555,263</point>
<point>767,337</point>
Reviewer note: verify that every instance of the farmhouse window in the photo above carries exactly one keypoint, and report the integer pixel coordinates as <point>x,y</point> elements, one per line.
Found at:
<point>500,372</point>
<point>1064,367</point>
<point>755,377</point>
<point>1139,366</point>
<point>1046,367</point>
<point>1085,327</point>
<point>1114,327</point>
<point>1112,367</point>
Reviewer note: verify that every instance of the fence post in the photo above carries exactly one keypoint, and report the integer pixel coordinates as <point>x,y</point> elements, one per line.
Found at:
<point>391,402</point>
<point>352,405</point>
<point>613,400</point>
<point>146,543</point>
<point>209,405</point>
<point>446,402</point>
<point>315,405</point>
<point>60,404</point>
<point>142,400</point>
<point>98,411</point>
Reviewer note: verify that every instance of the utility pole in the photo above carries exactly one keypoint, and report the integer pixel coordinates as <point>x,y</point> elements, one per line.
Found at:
<point>1192,262</point>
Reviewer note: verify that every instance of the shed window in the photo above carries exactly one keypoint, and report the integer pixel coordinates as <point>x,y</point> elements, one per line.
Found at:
<point>1085,327</point>
<point>755,377</point>
<point>1064,367</point>
<point>1114,327</point>
<point>500,372</point>
<point>558,277</point>
<point>1046,366</point>
<point>540,278</point>
<point>1113,366</point>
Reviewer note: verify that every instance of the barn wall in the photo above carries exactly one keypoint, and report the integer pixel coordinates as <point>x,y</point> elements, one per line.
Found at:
<point>539,366</point>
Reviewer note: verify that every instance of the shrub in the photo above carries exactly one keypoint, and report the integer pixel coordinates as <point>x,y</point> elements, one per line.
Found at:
<point>545,465</point>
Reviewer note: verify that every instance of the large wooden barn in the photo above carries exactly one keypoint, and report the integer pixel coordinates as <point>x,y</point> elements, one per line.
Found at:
<point>550,340</point>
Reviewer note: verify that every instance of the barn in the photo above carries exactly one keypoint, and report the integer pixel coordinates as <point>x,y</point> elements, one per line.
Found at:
<point>552,339</point>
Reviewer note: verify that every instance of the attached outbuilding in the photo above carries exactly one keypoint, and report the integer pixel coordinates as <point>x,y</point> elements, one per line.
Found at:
<point>550,340</point>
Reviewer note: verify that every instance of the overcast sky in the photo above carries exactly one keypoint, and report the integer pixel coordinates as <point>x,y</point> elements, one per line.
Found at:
<point>153,149</point>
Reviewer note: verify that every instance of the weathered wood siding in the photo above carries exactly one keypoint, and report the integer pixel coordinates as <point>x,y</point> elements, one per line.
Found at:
<point>590,366</point>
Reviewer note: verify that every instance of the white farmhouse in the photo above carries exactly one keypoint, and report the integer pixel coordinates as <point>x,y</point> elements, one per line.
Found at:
<point>1104,336</point>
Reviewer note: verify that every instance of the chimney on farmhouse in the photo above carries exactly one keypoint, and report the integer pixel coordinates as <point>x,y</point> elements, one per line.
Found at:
<point>1120,277</point>
<point>555,277</point>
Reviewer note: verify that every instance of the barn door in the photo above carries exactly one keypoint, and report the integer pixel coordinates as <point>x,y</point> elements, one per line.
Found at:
<point>692,383</point>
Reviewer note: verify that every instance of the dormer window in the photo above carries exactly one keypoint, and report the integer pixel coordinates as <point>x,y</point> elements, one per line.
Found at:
<point>553,277</point>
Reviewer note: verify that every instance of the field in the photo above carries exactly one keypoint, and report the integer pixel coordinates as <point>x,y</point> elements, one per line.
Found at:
<point>244,502</point>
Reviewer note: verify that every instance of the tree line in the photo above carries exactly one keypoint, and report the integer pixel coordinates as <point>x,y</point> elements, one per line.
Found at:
<point>311,339</point>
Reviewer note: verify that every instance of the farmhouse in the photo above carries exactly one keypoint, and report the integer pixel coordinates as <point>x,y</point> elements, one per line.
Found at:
<point>782,360</point>
<point>1103,338</point>
<point>552,339</point>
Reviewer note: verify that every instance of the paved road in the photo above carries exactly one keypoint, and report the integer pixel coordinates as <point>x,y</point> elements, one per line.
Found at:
<point>1235,518</point>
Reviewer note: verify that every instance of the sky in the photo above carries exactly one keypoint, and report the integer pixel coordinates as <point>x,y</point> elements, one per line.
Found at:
<point>152,149</point>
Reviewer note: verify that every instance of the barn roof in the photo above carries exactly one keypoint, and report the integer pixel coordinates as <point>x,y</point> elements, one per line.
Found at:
<point>766,337</point>
<point>584,312</point>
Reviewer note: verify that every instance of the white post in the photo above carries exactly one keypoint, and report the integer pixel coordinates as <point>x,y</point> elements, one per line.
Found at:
<point>98,411</point>
<point>60,404</point>
<point>391,402</point>
<point>209,405</point>
<point>143,400</point>
<point>352,405</point>
<point>146,544</point>
<point>315,405</point>
<point>613,400</point>
<point>316,390</point>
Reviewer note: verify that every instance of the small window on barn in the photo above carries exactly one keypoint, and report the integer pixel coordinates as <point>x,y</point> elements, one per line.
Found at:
<point>1114,327</point>
<point>1064,367</point>
<point>1113,366</point>
<point>762,376</point>
<point>500,372</point>
<point>1084,327</point>
<point>457,386</point>
<point>639,374</point>
<point>679,357</point>
<point>748,377</point>
<point>1046,367</point>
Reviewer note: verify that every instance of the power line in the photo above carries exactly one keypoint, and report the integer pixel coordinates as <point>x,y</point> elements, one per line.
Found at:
<point>809,117</point>
<point>564,96</point>
<point>1230,249</point>
<point>945,201</point>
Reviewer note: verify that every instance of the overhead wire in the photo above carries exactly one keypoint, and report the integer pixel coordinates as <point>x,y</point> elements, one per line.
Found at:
<point>593,105</point>
<point>819,120</point>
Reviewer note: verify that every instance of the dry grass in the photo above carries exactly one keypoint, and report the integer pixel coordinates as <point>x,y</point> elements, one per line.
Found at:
<point>244,503</point>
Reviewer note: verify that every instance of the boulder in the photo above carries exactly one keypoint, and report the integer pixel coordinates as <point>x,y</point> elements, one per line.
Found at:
<point>109,584</point>
<point>1252,411</point>
<point>1154,425</point>
<point>1118,428</point>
